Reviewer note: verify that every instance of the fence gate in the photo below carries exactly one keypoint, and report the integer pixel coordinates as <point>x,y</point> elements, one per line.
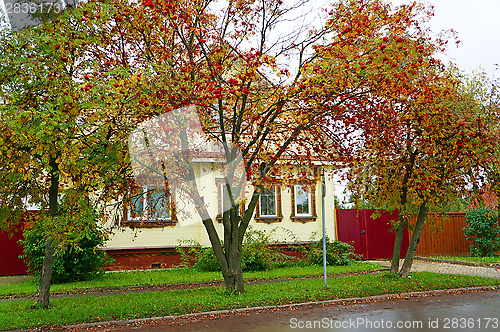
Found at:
<point>10,263</point>
<point>371,238</point>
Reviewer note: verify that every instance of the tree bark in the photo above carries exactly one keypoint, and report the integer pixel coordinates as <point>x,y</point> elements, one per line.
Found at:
<point>402,221</point>
<point>48,259</point>
<point>412,248</point>
<point>45,279</point>
<point>397,244</point>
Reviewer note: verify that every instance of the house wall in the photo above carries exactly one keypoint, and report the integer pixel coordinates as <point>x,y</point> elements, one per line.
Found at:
<point>190,226</point>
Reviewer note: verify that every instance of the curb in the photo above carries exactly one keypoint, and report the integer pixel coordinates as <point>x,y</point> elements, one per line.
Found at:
<point>450,261</point>
<point>284,306</point>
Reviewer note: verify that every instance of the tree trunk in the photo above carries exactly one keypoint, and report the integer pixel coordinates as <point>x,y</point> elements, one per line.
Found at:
<point>412,248</point>
<point>45,279</point>
<point>48,259</point>
<point>397,244</point>
<point>402,219</point>
<point>234,277</point>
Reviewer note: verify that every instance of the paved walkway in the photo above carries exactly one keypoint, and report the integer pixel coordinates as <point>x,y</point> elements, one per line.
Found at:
<point>420,265</point>
<point>4,280</point>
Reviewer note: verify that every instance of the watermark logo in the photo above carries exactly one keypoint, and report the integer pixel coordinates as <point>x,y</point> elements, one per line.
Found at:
<point>172,154</point>
<point>27,13</point>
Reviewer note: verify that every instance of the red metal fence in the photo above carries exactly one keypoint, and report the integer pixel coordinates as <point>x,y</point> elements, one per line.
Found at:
<point>443,236</point>
<point>371,237</point>
<point>10,249</point>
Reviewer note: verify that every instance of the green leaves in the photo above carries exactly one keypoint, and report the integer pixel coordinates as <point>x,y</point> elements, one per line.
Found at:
<point>483,230</point>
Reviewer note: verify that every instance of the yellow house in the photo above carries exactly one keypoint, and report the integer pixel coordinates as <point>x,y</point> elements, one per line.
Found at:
<point>162,214</point>
<point>295,208</point>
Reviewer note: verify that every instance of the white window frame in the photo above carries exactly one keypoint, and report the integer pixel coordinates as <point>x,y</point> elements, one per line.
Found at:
<point>300,187</point>
<point>221,183</point>
<point>224,191</point>
<point>145,208</point>
<point>275,189</point>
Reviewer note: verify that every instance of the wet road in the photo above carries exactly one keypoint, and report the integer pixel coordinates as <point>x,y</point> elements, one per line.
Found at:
<point>474,311</point>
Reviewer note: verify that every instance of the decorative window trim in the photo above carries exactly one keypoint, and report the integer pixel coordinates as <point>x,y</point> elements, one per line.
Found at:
<point>270,219</point>
<point>304,218</point>
<point>145,222</point>
<point>219,182</point>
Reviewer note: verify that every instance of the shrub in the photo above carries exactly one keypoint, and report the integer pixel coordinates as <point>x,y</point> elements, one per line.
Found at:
<point>207,260</point>
<point>256,255</point>
<point>77,256</point>
<point>483,230</point>
<point>337,253</point>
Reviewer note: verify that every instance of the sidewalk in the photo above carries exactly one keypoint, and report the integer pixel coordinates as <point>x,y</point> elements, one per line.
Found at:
<point>423,265</point>
<point>5,280</point>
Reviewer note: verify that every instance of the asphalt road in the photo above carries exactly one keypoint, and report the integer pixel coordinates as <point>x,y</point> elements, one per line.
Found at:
<point>473,311</point>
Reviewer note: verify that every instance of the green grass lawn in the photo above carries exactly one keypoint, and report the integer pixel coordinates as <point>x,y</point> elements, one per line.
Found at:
<point>72,310</point>
<point>175,276</point>
<point>492,259</point>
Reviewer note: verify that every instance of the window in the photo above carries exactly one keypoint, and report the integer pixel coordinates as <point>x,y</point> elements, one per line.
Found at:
<point>303,202</point>
<point>152,207</point>
<point>224,202</point>
<point>268,202</point>
<point>269,205</point>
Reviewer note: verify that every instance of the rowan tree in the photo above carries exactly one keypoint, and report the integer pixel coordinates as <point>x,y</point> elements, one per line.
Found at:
<point>224,63</point>
<point>367,57</point>
<point>56,139</point>
<point>409,131</point>
<point>484,176</point>
<point>414,136</point>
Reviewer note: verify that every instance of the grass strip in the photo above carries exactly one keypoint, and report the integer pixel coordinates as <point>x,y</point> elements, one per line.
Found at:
<point>176,276</point>
<point>64,311</point>
<point>491,259</point>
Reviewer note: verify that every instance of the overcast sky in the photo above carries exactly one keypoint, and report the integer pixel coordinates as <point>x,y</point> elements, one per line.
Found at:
<point>478,26</point>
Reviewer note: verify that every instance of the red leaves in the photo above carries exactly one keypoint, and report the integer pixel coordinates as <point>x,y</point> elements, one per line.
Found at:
<point>148,3</point>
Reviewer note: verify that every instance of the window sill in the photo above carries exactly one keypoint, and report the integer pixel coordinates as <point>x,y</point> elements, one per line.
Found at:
<point>303,219</point>
<point>149,223</point>
<point>268,220</point>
